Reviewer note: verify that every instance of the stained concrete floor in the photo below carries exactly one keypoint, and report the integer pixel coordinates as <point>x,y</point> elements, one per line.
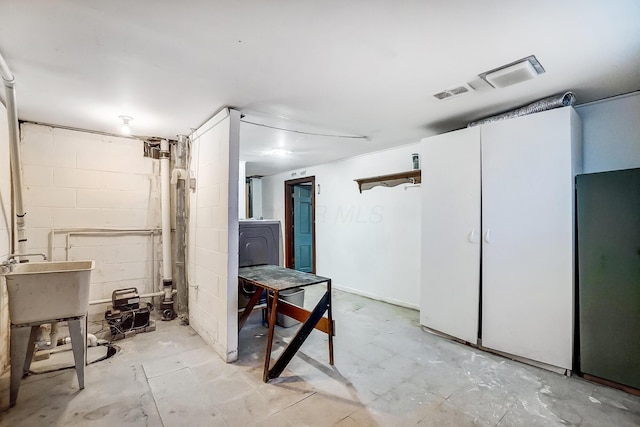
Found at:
<point>387,372</point>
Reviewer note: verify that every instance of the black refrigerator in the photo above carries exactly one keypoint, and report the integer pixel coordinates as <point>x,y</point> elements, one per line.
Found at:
<point>608,213</point>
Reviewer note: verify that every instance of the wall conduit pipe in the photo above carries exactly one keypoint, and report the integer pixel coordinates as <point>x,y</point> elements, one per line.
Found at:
<point>14,151</point>
<point>165,198</point>
<point>149,295</point>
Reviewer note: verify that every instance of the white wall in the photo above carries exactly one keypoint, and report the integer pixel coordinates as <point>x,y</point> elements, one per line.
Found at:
<point>366,243</point>
<point>82,180</point>
<point>242,190</point>
<point>213,234</point>
<point>5,229</point>
<point>256,197</point>
<point>611,133</point>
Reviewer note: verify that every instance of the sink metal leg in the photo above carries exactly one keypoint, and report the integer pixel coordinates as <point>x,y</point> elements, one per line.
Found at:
<point>33,337</point>
<point>78,346</point>
<point>19,344</point>
<point>22,343</point>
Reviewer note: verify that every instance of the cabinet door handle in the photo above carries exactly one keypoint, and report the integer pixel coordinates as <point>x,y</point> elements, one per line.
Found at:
<point>472,236</point>
<point>487,236</point>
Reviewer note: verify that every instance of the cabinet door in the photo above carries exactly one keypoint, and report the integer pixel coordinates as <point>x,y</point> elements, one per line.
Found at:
<point>451,233</point>
<point>527,215</point>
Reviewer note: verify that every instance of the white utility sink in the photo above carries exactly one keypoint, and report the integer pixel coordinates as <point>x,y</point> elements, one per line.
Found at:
<point>40,291</point>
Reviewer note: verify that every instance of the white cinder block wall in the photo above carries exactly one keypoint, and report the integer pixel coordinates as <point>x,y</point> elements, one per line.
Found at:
<point>367,243</point>
<point>213,234</point>
<point>5,227</point>
<point>86,182</point>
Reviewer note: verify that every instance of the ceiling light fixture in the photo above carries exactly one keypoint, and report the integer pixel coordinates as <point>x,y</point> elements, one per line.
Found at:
<point>279,152</point>
<point>125,129</point>
<point>519,71</point>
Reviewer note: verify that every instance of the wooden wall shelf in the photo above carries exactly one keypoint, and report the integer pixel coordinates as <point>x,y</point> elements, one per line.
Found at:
<point>391,180</point>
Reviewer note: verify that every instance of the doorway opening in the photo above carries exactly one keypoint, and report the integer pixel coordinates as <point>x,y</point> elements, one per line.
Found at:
<point>300,224</point>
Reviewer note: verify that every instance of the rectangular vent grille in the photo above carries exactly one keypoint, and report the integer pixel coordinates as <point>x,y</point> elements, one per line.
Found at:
<point>459,90</point>
<point>443,95</point>
<point>451,92</point>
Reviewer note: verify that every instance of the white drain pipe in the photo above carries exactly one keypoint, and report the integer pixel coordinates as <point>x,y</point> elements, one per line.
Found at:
<point>14,151</point>
<point>53,338</point>
<point>165,197</point>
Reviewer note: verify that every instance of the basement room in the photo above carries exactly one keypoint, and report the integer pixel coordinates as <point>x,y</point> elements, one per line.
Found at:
<point>320,214</point>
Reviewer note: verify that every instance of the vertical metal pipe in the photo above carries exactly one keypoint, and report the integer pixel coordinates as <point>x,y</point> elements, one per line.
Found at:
<point>181,229</point>
<point>14,151</point>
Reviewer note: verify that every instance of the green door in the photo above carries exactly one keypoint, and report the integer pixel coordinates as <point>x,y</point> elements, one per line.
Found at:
<point>303,228</point>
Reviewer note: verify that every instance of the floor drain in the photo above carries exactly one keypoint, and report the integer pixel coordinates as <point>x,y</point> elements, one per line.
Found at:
<point>62,358</point>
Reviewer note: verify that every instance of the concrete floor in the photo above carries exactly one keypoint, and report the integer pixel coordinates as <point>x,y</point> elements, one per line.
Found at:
<point>388,372</point>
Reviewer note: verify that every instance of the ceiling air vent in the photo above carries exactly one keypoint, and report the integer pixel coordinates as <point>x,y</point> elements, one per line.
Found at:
<point>516,72</point>
<point>451,92</point>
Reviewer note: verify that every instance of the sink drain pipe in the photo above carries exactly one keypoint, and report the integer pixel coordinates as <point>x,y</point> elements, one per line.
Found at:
<point>53,338</point>
<point>166,306</point>
<point>14,153</point>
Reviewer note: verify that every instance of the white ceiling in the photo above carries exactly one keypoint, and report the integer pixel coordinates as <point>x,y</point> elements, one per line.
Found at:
<point>356,68</point>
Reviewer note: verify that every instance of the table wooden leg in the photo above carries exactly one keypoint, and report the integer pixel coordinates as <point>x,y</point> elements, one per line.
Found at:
<point>247,310</point>
<point>331,325</point>
<point>272,325</point>
<point>269,295</point>
<point>299,338</point>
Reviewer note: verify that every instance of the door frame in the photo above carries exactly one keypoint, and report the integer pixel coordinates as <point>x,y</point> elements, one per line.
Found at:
<point>288,219</point>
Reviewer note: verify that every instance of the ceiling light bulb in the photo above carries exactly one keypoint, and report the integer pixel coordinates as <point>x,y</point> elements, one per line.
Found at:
<point>125,129</point>
<point>280,152</point>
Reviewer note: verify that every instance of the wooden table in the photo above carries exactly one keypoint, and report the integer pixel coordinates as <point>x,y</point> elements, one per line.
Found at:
<point>274,279</point>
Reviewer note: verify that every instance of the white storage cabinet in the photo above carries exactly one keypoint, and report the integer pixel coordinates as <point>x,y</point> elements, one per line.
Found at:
<point>498,234</point>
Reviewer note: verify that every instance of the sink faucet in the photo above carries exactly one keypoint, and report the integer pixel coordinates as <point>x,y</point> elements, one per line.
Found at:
<point>14,256</point>
<point>6,266</point>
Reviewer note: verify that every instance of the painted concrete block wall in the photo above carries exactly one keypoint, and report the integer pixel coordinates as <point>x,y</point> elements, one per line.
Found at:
<point>366,243</point>
<point>611,133</point>
<point>5,229</point>
<point>213,234</point>
<point>87,182</point>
